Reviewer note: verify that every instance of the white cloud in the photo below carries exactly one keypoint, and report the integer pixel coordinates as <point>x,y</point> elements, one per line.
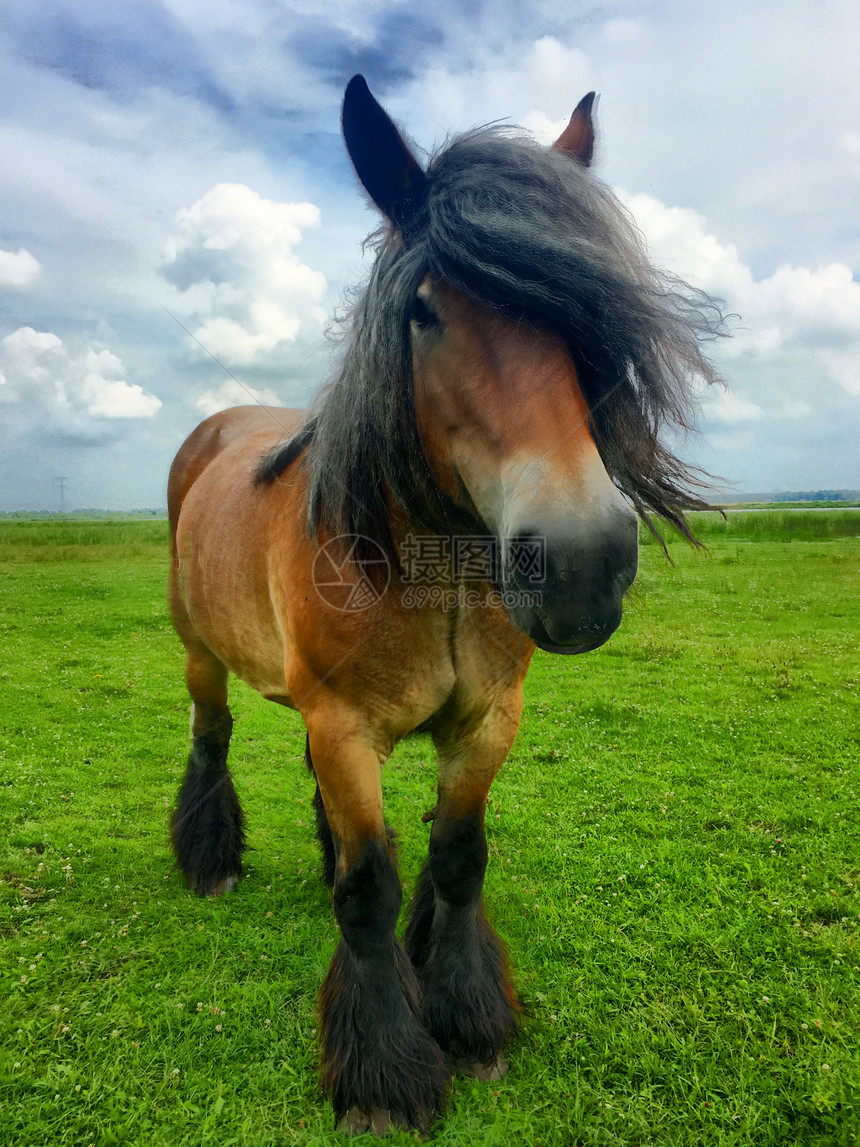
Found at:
<point>232,393</point>
<point>849,143</point>
<point>734,442</point>
<point>108,396</point>
<point>60,389</point>
<point>796,408</point>
<point>232,255</point>
<point>18,268</point>
<point>730,408</point>
<point>625,33</point>
<point>822,304</point>
<point>844,366</point>
<point>534,85</point>
<point>679,241</point>
<point>792,315</point>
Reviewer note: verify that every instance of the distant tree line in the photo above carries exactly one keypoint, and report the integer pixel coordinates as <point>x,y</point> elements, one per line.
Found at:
<point>816,496</point>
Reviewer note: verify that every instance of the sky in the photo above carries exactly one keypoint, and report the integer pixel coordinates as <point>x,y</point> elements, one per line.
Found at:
<point>180,162</point>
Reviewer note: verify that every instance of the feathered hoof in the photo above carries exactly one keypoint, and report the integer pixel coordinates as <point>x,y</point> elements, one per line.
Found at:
<point>485,1072</point>
<point>212,885</point>
<point>379,1122</point>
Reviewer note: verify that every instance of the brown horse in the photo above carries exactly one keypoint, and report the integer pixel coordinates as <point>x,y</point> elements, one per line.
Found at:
<point>466,488</point>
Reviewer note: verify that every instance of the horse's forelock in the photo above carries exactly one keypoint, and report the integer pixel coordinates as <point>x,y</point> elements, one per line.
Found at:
<point>528,231</point>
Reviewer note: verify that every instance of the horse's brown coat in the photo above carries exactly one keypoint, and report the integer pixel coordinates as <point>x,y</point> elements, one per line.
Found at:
<point>243,600</point>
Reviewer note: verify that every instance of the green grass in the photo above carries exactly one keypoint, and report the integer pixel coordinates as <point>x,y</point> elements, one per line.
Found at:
<point>674,864</point>
<point>777,525</point>
<point>62,541</point>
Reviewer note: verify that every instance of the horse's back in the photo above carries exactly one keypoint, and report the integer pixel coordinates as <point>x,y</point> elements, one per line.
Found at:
<point>214,435</point>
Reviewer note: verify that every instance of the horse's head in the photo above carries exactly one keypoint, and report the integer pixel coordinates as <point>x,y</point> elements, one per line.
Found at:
<point>502,419</point>
<point>506,431</point>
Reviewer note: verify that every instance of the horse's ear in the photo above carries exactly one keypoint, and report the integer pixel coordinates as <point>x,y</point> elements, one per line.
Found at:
<point>382,160</point>
<point>577,139</point>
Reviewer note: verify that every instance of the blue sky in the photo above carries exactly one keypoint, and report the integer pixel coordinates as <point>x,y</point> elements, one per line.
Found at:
<point>185,157</point>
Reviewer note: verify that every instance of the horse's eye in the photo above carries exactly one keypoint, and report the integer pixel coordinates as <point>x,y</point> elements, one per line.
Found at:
<point>422,315</point>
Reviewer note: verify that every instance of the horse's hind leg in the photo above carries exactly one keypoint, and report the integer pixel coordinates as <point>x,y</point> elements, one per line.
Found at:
<point>470,1006</point>
<point>206,827</point>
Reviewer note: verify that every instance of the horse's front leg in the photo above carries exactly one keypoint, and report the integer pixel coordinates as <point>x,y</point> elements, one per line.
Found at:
<point>469,1004</point>
<point>380,1066</point>
<point>207,825</point>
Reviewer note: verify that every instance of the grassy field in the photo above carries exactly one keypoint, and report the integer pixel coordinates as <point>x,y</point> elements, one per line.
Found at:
<point>674,863</point>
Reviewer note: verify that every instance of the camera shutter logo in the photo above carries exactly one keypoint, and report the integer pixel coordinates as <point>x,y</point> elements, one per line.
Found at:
<point>349,582</point>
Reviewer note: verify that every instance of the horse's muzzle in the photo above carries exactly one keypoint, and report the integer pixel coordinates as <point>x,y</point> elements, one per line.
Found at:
<point>565,588</point>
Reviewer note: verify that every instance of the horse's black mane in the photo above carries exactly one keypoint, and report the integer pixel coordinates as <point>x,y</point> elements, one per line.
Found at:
<point>529,232</point>
<point>274,462</point>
